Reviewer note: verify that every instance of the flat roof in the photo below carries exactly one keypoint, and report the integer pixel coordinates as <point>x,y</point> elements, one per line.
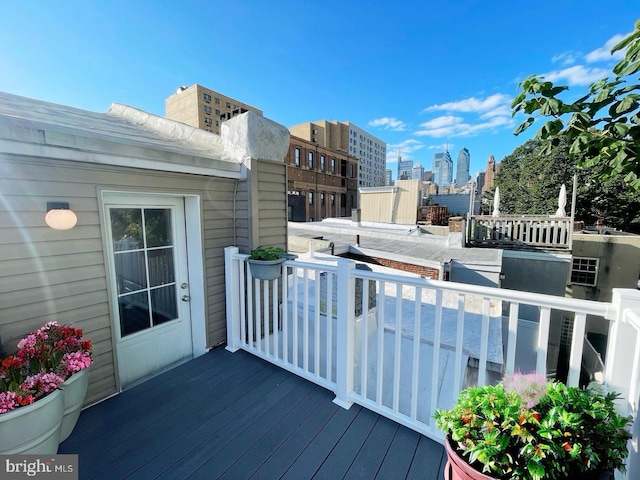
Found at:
<point>406,243</point>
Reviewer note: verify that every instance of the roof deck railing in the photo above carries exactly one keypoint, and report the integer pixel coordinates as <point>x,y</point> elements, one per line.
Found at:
<point>533,232</point>
<point>403,346</point>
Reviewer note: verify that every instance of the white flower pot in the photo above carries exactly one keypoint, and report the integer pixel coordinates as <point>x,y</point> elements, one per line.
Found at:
<point>74,389</point>
<point>33,429</point>
<point>266,269</point>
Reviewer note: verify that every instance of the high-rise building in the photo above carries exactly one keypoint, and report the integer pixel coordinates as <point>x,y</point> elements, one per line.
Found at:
<point>480,182</point>
<point>370,151</point>
<point>462,170</point>
<point>321,182</point>
<point>490,174</point>
<point>427,176</point>
<point>442,169</point>
<point>388,177</point>
<point>417,172</point>
<point>405,168</point>
<point>204,108</point>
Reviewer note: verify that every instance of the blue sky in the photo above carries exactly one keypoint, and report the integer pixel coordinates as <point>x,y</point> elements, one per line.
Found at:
<point>417,74</point>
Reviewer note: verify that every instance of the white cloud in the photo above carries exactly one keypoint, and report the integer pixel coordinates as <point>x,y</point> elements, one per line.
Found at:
<point>604,53</point>
<point>451,126</point>
<point>576,75</point>
<point>566,58</point>
<point>388,123</point>
<point>405,148</point>
<point>474,105</point>
<point>442,146</point>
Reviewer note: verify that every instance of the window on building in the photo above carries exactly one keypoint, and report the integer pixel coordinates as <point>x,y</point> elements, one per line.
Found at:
<point>310,160</point>
<point>322,199</point>
<point>584,271</point>
<point>216,100</point>
<point>333,199</point>
<point>228,105</point>
<point>207,121</point>
<point>296,156</point>
<point>217,123</point>
<point>207,97</point>
<point>310,198</point>
<point>322,163</point>
<point>351,170</point>
<point>217,112</point>
<point>207,109</point>
<point>333,165</point>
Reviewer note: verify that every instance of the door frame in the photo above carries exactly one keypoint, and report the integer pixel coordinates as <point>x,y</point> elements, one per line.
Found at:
<point>195,262</point>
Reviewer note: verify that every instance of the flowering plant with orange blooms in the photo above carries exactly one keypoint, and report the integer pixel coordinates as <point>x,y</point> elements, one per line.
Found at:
<point>529,429</point>
<point>44,359</point>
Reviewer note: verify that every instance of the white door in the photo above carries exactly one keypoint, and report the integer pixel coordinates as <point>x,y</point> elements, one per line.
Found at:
<point>149,275</point>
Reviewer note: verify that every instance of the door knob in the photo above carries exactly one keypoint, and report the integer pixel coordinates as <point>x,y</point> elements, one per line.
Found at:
<point>185,298</point>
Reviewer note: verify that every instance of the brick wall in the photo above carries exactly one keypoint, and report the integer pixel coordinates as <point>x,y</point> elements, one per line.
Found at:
<point>427,272</point>
<point>455,224</point>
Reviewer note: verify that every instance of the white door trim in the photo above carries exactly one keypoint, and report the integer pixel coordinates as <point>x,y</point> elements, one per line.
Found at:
<point>195,255</point>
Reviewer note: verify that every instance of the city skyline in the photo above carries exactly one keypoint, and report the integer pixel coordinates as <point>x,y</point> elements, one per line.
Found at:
<point>89,55</point>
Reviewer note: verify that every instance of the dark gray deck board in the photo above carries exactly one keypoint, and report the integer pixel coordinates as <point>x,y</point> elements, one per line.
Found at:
<point>398,459</point>
<point>235,416</point>
<point>371,455</point>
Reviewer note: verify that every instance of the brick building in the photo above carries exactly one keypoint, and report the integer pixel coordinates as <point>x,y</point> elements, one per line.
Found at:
<point>325,179</point>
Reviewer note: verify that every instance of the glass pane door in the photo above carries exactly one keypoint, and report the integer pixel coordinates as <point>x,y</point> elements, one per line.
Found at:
<point>144,252</point>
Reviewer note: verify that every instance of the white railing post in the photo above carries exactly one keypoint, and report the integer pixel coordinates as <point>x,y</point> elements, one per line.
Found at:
<point>233,298</point>
<point>345,332</point>
<point>621,346</point>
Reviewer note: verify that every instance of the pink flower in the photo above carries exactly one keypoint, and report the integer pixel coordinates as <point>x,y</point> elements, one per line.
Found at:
<point>8,401</point>
<point>74,362</point>
<point>42,382</point>
<point>28,342</point>
<point>531,387</point>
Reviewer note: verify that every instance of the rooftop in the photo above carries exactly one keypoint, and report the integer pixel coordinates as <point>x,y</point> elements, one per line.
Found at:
<point>405,243</point>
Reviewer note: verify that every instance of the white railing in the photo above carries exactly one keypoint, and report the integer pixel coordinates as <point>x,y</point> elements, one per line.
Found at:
<point>533,231</point>
<point>403,346</point>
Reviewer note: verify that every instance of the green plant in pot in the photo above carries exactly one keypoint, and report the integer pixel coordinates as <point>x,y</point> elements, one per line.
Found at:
<point>526,428</point>
<point>265,262</point>
<point>267,252</point>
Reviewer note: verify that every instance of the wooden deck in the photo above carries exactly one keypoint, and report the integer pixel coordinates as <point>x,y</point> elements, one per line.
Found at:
<point>236,416</point>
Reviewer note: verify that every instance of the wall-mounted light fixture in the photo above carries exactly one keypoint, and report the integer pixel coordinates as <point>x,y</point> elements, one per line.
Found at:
<point>59,217</point>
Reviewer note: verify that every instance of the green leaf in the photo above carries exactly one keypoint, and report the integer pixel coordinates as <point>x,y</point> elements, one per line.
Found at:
<point>523,126</point>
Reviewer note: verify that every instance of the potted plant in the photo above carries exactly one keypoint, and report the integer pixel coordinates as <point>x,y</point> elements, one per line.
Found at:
<point>61,349</point>
<point>528,428</point>
<point>265,262</point>
<point>42,388</point>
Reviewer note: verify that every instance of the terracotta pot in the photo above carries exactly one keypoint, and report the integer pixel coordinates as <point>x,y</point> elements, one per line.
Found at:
<point>458,469</point>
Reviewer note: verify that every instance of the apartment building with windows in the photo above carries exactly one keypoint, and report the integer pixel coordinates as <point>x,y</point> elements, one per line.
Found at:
<point>321,181</point>
<point>204,108</point>
<point>370,151</point>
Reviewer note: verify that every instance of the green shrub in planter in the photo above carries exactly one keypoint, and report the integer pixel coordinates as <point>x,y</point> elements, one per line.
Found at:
<point>526,428</point>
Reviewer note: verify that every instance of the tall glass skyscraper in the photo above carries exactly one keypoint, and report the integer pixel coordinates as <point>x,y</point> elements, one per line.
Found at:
<point>404,168</point>
<point>442,169</point>
<point>462,171</point>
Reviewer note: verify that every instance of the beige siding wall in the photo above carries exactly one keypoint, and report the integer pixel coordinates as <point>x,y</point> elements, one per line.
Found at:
<point>399,206</point>
<point>376,207</point>
<point>408,201</point>
<point>272,204</point>
<point>60,275</point>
